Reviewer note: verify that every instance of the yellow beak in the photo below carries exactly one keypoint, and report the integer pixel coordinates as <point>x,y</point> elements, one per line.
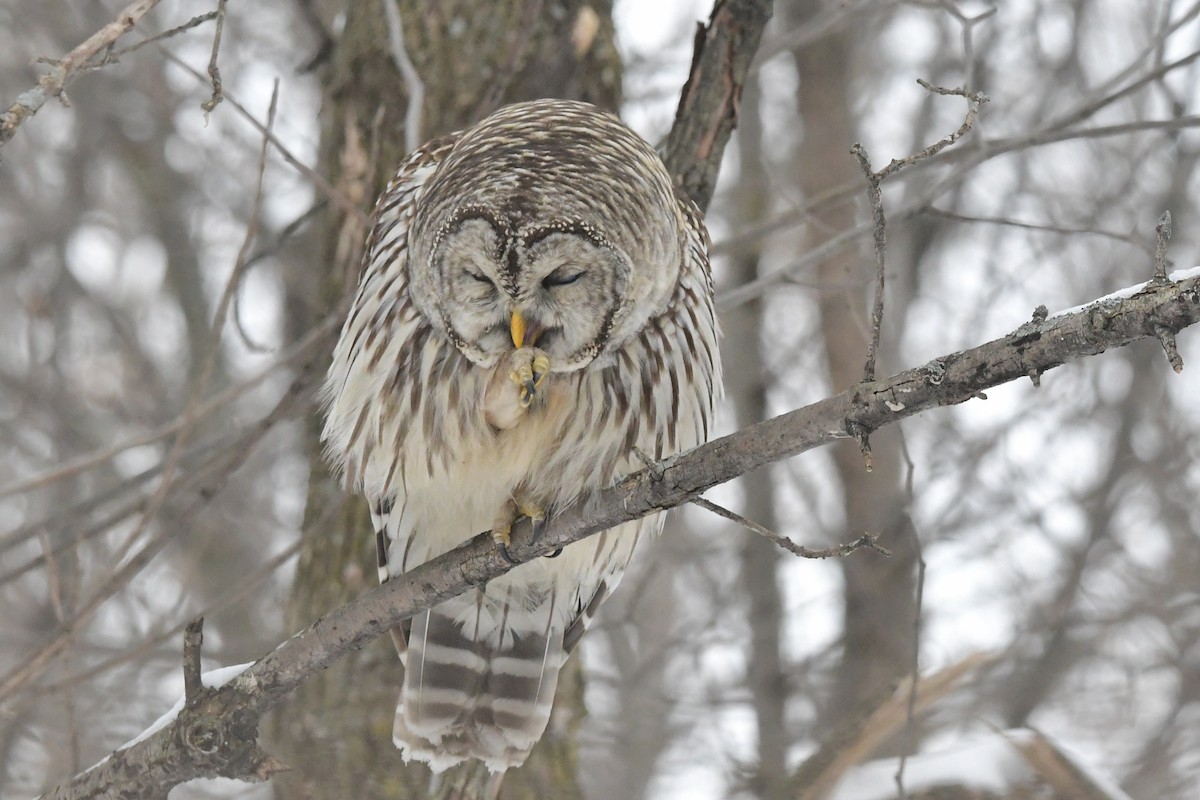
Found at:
<point>517,329</point>
<point>522,332</point>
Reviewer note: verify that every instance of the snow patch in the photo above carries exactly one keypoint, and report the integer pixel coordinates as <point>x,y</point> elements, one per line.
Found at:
<point>1102,782</point>
<point>213,679</point>
<point>987,763</point>
<point>983,763</point>
<point>1129,291</point>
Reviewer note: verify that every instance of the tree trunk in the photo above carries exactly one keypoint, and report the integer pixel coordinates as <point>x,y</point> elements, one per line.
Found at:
<point>336,732</point>
<point>746,386</point>
<point>879,593</point>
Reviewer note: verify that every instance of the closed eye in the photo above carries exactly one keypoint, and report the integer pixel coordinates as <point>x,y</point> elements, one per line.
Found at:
<point>561,278</point>
<point>479,277</point>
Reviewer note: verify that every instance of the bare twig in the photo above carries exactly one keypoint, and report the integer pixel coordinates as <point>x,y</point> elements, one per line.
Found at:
<point>230,295</point>
<point>53,83</point>
<point>879,234</point>
<point>214,73</point>
<point>988,150</point>
<point>967,23</point>
<point>412,79</point>
<point>1040,315</point>
<point>997,147</point>
<point>879,226</point>
<point>31,667</point>
<point>239,327</point>
<point>974,101</point>
<point>1108,92</point>
<point>266,251</point>
<point>323,186</point>
<point>1125,238</point>
<point>193,639</point>
<point>1162,234</point>
<point>869,541</point>
<point>1165,336</point>
<point>115,55</point>
<point>751,290</point>
<point>53,584</point>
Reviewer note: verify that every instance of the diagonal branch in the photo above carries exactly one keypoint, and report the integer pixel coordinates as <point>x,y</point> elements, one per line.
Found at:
<point>229,716</point>
<point>53,83</point>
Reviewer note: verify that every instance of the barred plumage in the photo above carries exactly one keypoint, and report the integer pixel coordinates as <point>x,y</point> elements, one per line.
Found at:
<point>535,309</point>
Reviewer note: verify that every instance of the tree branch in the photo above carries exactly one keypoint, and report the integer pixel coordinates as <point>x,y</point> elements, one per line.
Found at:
<point>711,98</point>
<point>53,83</point>
<point>228,716</point>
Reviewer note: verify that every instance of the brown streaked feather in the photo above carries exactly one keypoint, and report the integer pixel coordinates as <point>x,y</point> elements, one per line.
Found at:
<point>407,389</point>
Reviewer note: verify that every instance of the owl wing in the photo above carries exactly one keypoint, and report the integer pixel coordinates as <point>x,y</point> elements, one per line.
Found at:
<point>381,325</point>
<point>668,384</point>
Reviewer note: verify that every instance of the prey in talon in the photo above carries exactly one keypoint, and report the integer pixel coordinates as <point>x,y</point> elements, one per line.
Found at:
<point>532,365</point>
<point>518,384</point>
<point>529,375</point>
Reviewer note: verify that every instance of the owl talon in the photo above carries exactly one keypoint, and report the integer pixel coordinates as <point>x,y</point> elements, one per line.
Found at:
<point>507,556</point>
<point>538,518</point>
<point>508,514</point>
<point>502,528</point>
<point>530,375</point>
<point>541,366</point>
<point>539,525</point>
<point>502,534</point>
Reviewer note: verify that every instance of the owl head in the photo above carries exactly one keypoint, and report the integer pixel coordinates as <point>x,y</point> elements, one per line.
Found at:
<point>552,224</point>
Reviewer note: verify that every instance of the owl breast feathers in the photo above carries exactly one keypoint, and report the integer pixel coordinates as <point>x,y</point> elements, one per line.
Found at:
<point>535,310</point>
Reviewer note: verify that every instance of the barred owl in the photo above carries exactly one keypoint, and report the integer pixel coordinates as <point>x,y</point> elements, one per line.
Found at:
<point>534,314</point>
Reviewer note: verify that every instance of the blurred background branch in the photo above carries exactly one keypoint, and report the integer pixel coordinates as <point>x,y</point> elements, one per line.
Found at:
<point>65,69</point>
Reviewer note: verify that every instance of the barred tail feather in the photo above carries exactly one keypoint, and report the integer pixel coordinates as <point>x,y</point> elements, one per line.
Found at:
<point>477,691</point>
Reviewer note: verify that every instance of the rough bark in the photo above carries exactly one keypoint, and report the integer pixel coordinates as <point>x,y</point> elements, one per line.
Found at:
<point>711,98</point>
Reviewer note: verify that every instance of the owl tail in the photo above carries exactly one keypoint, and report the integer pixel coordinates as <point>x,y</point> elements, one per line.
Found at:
<point>478,683</point>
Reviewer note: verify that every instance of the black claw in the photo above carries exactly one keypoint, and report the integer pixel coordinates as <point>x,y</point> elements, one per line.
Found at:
<point>507,556</point>
<point>539,525</point>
